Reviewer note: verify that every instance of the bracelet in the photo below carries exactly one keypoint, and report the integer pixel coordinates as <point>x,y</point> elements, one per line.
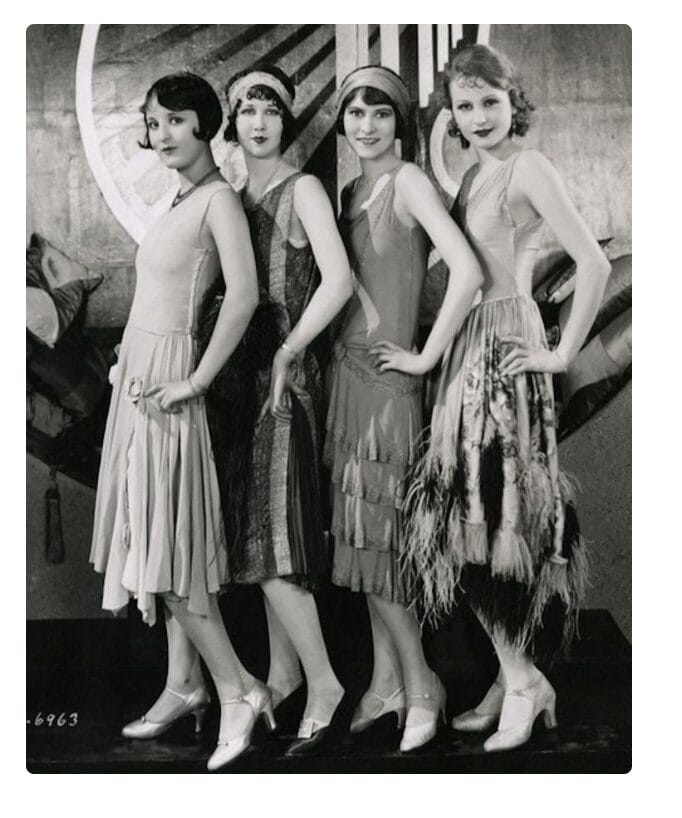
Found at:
<point>288,349</point>
<point>195,391</point>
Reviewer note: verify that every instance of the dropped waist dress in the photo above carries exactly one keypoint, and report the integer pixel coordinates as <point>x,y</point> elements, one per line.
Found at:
<point>374,418</point>
<point>268,468</point>
<point>488,513</point>
<point>158,525</point>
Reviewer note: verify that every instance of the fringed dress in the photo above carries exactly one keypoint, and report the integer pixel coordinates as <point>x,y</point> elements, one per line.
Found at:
<point>158,526</point>
<point>269,469</point>
<point>488,513</point>
<point>374,418</point>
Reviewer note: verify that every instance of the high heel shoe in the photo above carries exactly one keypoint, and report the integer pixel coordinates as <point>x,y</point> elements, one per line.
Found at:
<point>485,714</point>
<point>259,700</point>
<point>314,735</point>
<point>394,703</point>
<point>520,708</point>
<point>195,703</point>
<point>433,703</point>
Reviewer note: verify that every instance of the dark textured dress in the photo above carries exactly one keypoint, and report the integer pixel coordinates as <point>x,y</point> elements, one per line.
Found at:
<point>269,470</point>
<point>488,512</point>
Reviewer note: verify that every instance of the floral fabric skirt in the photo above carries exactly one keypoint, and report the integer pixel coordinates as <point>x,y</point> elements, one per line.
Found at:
<point>489,516</point>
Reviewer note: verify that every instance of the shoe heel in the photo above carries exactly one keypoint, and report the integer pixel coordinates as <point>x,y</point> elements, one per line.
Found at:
<point>269,717</point>
<point>549,716</point>
<point>400,713</point>
<point>199,716</point>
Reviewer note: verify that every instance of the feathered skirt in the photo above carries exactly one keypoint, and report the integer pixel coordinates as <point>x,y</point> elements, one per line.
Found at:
<point>488,515</point>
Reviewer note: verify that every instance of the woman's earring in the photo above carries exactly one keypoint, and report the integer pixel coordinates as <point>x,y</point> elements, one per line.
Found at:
<point>454,131</point>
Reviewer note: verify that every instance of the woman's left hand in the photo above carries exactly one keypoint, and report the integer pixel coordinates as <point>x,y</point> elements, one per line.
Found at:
<point>168,396</point>
<point>281,384</point>
<point>389,356</point>
<point>527,358</point>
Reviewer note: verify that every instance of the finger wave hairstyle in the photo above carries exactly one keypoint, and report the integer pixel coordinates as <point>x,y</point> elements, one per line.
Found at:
<point>185,91</point>
<point>482,62</point>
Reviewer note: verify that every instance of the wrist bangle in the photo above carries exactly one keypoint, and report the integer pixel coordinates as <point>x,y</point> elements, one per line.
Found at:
<point>288,349</point>
<point>196,391</point>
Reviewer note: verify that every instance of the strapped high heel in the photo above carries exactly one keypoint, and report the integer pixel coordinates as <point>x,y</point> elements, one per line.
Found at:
<point>432,702</point>
<point>485,714</point>
<point>515,728</point>
<point>393,703</point>
<point>259,700</point>
<point>194,703</point>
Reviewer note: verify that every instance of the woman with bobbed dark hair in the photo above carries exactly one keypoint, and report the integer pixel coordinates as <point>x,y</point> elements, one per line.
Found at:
<point>489,516</point>
<point>280,543</point>
<point>158,531</point>
<point>391,214</point>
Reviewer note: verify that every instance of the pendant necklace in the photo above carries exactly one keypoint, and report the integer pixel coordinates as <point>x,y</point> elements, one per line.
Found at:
<point>179,197</point>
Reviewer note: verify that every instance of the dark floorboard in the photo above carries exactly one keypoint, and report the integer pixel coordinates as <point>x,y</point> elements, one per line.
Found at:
<point>109,671</point>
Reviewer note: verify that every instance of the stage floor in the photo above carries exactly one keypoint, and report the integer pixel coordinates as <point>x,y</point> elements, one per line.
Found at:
<point>86,678</point>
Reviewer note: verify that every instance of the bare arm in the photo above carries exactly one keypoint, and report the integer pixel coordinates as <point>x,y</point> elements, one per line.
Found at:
<point>230,230</point>
<point>314,210</point>
<point>315,213</point>
<point>416,196</point>
<point>226,220</point>
<point>536,181</point>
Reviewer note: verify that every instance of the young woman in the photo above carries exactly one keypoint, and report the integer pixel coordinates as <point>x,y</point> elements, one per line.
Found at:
<point>282,545</point>
<point>488,510</point>
<point>158,527</point>
<point>390,214</point>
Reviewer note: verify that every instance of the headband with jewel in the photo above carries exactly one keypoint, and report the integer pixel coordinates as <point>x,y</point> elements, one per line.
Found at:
<point>376,76</point>
<point>243,84</point>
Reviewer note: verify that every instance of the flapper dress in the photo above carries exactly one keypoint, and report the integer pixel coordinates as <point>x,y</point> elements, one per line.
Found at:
<point>157,524</point>
<point>488,514</point>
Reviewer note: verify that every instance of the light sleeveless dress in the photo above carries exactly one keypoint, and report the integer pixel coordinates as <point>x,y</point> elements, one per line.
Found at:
<point>488,512</point>
<point>158,526</point>
<point>374,418</point>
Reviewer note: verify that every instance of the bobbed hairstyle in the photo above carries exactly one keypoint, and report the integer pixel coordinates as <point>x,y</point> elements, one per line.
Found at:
<point>264,92</point>
<point>481,62</point>
<point>185,91</point>
<point>374,96</point>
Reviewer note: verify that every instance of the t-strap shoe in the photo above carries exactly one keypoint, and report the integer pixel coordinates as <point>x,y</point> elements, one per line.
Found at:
<point>433,705</point>
<point>485,714</point>
<point>394,703</point>
<point>520,708</point>
<point>260,701</point>
<point>194,703</point>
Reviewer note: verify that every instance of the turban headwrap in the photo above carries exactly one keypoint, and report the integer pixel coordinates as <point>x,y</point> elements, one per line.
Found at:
<point>241,86</point>
<point>376,76</point>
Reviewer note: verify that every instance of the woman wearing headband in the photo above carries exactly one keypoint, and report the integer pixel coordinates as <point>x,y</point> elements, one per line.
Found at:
<point>488,513</point>
<point>390,215</point>
<point>282,545</point>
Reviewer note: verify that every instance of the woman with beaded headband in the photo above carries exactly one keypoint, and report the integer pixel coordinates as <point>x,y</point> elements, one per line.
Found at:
<point>488,512</point>
<point>158,528</point>
<point>390,215</point>
<point>280,543</point>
